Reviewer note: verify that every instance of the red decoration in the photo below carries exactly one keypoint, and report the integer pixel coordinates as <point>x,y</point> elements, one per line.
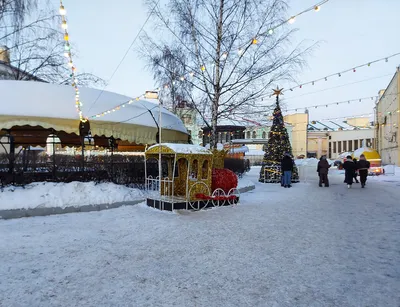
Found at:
<point>224,179</point>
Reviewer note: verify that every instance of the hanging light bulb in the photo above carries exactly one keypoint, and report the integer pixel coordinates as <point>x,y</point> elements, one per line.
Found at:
<point>240,51</point>
<point>254,41</point>
<point>224,55</point>
<point>66,54</point>
<point>292,20</point>
<point>66,36</point>
<point>182,78</point>
<point>191,73</point>
<point>386,60</point>
<point>64,25</point>
<point>203,68</point>
<point>270,31</point>
<point>63,12</point>
<point>326,79</point>
<point>70,64</point>
<point>317,8</point>
<point>339,75</point>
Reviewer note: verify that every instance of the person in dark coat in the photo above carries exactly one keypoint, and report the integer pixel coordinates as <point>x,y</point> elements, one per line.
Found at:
<point>323,169</point>
<point>355,173</point>
<point>362,166</point>
<point>287,168</point>
<point>350,167</point>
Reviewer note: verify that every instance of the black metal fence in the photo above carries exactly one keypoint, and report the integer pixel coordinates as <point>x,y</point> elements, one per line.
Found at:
<point>31,166</point>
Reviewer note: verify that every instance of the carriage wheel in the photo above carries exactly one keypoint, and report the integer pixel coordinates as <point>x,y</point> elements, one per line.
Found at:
<point>233,192</point>
<point>218,192</point>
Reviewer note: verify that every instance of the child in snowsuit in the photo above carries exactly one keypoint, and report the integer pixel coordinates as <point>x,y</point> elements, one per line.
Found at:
<point>350,168</point>
<point>323,169</point>
<point>363,165</point>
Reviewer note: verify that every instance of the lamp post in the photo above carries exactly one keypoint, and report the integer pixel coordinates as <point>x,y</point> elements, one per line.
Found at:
<point>154,95</point>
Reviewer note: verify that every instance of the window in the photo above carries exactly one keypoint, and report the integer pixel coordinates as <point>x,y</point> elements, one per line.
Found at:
<point>339,147</point>
<point>194,169</point>
<point>248,134</point>
<point>204,170</point>
<point>227,137</point>
<point>361,143</point>
<point>334,147</point>
<point>350,145</point>
<point>344,145</point>
<point>264,135</point>
<point>368,141</point>
<point>254,135</point>
<point>355,144</point>
<point>330,149</point>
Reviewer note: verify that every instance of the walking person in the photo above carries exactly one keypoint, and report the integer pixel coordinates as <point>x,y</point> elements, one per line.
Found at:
<point>362,166</point>
<point>350,168</point>
<point>323,169</point>
<point>287,168</point>
<point>355,173</point>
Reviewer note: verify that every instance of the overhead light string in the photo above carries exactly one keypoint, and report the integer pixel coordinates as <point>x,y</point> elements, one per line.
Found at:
<point>340,73</point>
<point>71,65</point>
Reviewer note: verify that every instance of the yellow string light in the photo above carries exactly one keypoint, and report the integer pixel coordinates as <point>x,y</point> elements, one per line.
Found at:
<point>68,55</point>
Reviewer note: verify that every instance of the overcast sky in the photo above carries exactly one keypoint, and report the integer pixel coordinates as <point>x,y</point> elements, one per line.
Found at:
<point>351,32</point>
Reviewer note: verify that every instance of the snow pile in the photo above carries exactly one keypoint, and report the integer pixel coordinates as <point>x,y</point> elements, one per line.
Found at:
<point>310,162</point>
<point>76,194</point>
<point>255,152</point>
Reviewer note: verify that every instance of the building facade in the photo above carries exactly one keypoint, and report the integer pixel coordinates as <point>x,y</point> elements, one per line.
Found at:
<point>299,123</point>
<point>387,122</point>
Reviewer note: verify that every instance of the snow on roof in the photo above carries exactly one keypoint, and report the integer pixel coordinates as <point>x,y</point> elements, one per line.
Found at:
<point>36,99</point>
<point>184,148</point>
<point>255,152</point>
<point>239,150</point>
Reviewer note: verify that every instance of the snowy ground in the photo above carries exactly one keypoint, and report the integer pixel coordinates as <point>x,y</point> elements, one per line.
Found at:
<point>305,246</point>
<point>49,194</point>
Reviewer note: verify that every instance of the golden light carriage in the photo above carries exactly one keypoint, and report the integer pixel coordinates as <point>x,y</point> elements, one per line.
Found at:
<point>186,178</point>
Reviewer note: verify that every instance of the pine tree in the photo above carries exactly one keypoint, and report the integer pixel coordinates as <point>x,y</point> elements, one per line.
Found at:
<point>278,144</point>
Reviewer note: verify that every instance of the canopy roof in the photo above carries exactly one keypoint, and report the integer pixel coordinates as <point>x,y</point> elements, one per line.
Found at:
<point>53,106</point>
<point>369,153</point>
<point>169,148</point>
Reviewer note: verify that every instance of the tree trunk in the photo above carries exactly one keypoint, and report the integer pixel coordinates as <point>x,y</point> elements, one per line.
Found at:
<point>217,87</point>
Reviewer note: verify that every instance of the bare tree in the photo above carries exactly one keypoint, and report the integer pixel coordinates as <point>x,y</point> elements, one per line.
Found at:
<point>37,50</point>
<point>170,77</point>
<point>15,11</point>
<point>234,51</point>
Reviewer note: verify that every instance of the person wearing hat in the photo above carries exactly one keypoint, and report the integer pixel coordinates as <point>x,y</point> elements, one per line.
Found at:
<point>350,169</point>
<point>287,168</point>
<point>362,166</point>
<point>323,169</point>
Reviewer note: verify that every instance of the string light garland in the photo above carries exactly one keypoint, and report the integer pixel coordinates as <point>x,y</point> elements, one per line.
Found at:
<point>340,73</point>
<point>71,65</point>
<point>118,107</point>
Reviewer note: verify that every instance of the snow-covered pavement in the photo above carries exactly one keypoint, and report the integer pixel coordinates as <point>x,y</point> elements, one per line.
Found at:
<point>305,246</point>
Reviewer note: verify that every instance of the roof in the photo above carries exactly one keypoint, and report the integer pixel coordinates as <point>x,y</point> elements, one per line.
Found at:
<point>331,125</point>
<point>37,99</point>
<point>9,69</point>
<point>179,149</point>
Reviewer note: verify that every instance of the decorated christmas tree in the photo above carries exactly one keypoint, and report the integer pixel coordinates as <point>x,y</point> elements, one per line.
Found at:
<point>278,144</point>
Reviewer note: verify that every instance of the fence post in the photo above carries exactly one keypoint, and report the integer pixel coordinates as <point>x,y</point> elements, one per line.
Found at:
<point>12,154</point>
<point>83,155</point>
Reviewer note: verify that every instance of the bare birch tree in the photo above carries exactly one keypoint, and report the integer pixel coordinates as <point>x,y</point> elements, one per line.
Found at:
<point>36,47</point>
<point>234,52</point>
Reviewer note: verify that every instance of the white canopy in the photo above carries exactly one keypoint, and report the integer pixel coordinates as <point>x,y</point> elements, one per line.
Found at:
<point>53,106</point>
